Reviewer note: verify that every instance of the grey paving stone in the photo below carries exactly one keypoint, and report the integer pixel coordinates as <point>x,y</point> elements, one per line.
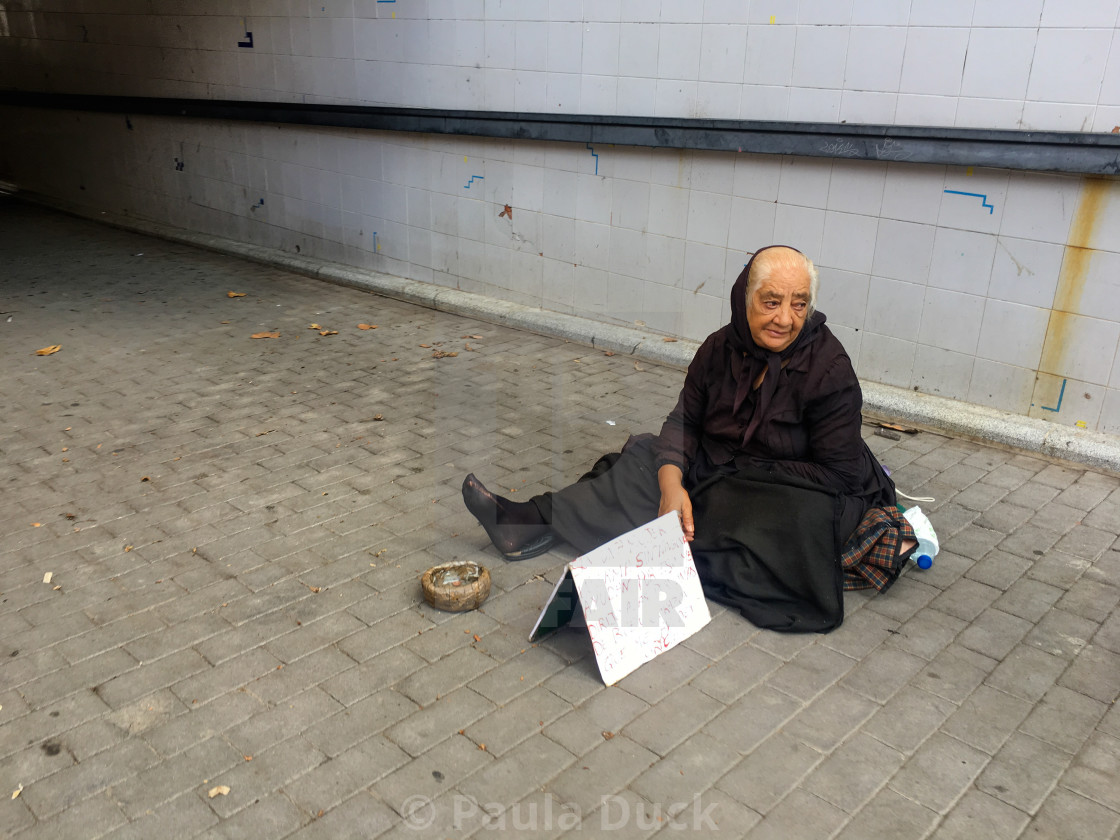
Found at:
<point>1091,599</point>
<point>883,672</point>
<point>731,676</point>
<point>830,718</point>
<point>439,720</point>
<point>674,719</point>
<point>269,770</point>
<point>771,770</point>
<point>1026,672</point>
<point>752,718</point>
<point>1029,599</point>
<point>998,569</point>
<point>1024,772</point>
<point>890,815</point>
<point>581,729</point>
<point>810,672</point>
<point>854,772</point>
<point>1062,634</point>
<point>167,780</point>
<point>454,670</point>
<point>604,771</point>
<point>344,728</point>
<point>688,770</point>
<point>987,718</point>
<point>980,815</point>
<point>927,633</point>
<point>954,673</point>
<point>799,815</point>
<point>1066,814</point>
<point>994,633</point>
<point>272,816</point>
<point>939,772</point>
<point>1093,771</point>
<point>1095,673</point>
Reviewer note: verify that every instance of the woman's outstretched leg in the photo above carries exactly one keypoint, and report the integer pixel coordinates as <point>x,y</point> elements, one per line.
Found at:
<point>516,529</point>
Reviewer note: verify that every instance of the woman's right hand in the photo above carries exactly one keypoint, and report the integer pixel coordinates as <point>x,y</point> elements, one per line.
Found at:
<point>675,498</point>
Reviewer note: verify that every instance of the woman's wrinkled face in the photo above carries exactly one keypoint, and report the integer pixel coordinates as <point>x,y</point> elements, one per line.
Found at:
<point>777,310</point>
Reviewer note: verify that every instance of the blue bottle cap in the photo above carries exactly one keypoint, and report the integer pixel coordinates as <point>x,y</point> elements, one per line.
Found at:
<point>924,561</point>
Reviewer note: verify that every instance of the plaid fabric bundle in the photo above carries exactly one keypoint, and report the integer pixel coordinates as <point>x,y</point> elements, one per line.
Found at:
<point>871,557</point>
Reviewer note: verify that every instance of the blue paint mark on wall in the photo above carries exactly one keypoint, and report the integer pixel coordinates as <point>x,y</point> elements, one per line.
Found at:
<point>596,158</point>
<point>386,1</point>
<point>472,180</point>
<point>376,247</point>
<point>983,199</point>
<point>1061,394</point>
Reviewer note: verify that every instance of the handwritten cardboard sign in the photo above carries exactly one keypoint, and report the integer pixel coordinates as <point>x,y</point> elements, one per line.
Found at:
<point>639,595</point>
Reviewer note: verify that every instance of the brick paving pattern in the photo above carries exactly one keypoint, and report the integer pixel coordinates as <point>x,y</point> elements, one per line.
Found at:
<point>235,530</point>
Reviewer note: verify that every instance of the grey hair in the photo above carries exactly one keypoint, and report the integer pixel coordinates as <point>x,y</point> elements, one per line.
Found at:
<point>782,256</point>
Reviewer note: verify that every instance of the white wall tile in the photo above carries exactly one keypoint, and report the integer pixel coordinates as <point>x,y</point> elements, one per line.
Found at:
<point>1000,386</point>
<point>770,55</point>
<point>999,63</point>
<point>717,100</point>
<point>904,250</point>
<point>630,204</point>
<point>601,42</point>
<point>1040,207</point>
<point>1012,333</point>
<point>1109,421</point>
<point>708,217</point>
<point>665,259</point>
<point>989,113</point>
<point>531,39</point>
<point>973,199</point>
<point>868,107</point>
<point>1076,343</point>
<point>675,98</point>
<point>921,109</point>
<point>856,187</point>
<point>1069,65</point>
<point>500,44</point>
<point>1100,290</point>
<point>1078,13</point>
<point>637,97</point>
<point>942,372</point>
<point>874,58</point>
<point>668,210</point>
<point>637,52</point>
<point>1110,86</point>
<point>763,102</point>
<point>1067,401</point>
<point>700,315</point>
<point>751,224</point>
<point>671,167</point>
<point>565,47</point>
<point>805,181</point>
<point>819,56</point>
<point>757,176</point>
<point>1026,13</point>
<point>850,338</point>
<point>723,53</point>
<point>951,320</point>
<point>962,260</point>
<point>778,12</point>
<point>1025,271</point>
<point>880,13</point>
<point>934,56</point>
<point>849,241</point>
<point>678,55</point>
<point>801,227</point>
<point>894,308</point>
<point>661,308</point>
<point>704,268</point>
<point>1056,116</point>
<point>563,92</point>
<point>886,359</point>
<point>941,12</point>
<point>843,296</point>
<point>913,192</point>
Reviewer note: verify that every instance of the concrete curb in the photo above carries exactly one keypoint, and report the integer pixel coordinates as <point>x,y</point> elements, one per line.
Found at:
<point>952,417</point>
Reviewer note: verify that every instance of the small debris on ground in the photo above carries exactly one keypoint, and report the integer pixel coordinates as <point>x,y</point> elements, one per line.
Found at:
<point>49,350</point>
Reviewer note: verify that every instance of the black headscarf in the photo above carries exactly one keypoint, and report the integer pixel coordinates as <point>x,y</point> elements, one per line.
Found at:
<point>750,359</point>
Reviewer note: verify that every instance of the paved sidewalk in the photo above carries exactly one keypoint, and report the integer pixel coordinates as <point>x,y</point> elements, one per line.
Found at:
<point>234,529</point>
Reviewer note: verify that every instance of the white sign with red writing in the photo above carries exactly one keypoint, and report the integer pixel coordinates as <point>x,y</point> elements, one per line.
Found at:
<point>639,594</point>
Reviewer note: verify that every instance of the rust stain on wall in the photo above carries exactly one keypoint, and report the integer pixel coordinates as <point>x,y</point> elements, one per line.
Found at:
<point>1075,269</point>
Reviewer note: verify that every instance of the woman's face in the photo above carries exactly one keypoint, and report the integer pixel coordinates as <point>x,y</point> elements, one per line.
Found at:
<point>777,310</point>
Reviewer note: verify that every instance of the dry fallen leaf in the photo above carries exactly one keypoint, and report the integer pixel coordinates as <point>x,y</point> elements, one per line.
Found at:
<point>128,548</point>
<point>145,478</point>
<point>608,735</point>
<point>367,326</point>
<point>47,577</point>
<point>36,524</point>
<point>425,345</point>
<point>247,757</point>
<point>482,747</point>
<point>17,791</point>
<point>668,340</point>
<point>608,353</point>
<point>314,327</point>
<point>218,790</point>
<point>265,335</point>
<point>477,637</point>
<point>48,351</point>
<point>443,354</point>
<point>328,332</point>
<point>235,294</point>
<point>55,588</point>
<point>315,588</point>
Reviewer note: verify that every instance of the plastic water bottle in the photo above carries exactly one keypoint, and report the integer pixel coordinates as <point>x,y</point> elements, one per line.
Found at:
<point>927,538</point>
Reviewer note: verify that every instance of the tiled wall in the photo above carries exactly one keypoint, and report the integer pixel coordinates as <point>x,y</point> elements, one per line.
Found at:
<point>996,287</point>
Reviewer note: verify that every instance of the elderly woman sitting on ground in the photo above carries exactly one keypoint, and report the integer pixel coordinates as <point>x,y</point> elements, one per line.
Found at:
<point>762,459</point>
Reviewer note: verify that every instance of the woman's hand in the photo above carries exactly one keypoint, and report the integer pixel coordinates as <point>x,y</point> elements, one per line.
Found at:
<point>675,498</point>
